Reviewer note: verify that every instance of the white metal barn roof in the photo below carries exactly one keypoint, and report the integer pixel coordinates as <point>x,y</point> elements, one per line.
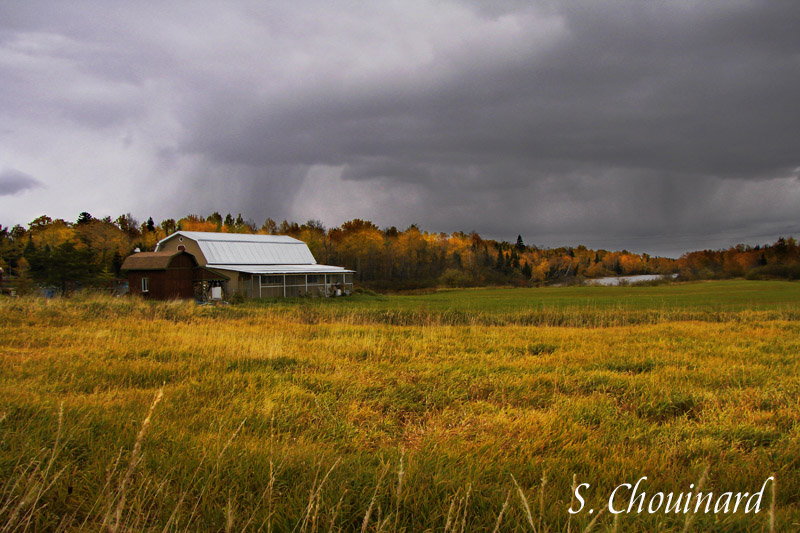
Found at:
<point>235,249</point>
<point>256,254</point>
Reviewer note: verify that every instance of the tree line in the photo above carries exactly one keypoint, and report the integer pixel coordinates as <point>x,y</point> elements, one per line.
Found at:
<point>780,260</point>
<point>90,251</point>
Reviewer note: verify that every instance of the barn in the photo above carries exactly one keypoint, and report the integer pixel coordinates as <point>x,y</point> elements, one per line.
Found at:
<point>169,274</point>
<point>260,266</point>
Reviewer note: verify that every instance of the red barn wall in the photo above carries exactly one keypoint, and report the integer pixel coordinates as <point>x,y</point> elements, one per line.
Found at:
<point>174,282</point>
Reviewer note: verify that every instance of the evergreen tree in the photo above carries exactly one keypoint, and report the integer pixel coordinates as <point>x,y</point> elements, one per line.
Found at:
<point>30,249</point>
<point>61,266</point>
<point>216,219</point>
<point>486,259</point>
<point>500,264</point>
<point>84,218</point>
<point>520,245</point>
<point>116,262</point>
<point>527,271</point>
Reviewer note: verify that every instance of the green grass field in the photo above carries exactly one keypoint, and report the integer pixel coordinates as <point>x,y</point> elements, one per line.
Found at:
<point>400,413</point>
<point>718,295</point>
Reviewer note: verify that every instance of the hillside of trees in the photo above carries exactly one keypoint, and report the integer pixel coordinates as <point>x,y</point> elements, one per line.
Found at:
<point>90,251</point>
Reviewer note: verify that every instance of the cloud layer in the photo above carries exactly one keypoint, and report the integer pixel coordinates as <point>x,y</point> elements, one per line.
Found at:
<point>14,182</point>
<point>657,126</point>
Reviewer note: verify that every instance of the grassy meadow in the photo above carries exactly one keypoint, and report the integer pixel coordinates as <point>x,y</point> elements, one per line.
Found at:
<point>469,410</point>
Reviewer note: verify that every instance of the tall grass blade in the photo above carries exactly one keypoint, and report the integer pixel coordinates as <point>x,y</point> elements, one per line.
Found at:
<point>525,506</point>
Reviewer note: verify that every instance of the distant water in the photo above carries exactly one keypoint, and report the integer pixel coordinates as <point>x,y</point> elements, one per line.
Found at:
<point>614,280</point>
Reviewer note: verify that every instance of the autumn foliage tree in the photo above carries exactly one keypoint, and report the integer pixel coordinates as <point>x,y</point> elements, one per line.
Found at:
<point>90,249</point>
<point>780,260</point>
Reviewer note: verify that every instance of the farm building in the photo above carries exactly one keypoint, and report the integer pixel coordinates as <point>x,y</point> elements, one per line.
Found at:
<point>164,275</point>
<point>260,266</point>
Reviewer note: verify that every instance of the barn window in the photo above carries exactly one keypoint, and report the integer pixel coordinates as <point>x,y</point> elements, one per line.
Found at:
<point>313,278</point>
<point>145,284</point>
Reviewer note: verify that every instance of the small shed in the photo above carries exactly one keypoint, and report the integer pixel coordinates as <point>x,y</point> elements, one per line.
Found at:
<point>171,274</point>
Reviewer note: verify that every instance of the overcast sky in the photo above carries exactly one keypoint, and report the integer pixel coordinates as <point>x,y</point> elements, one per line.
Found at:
<point>657,126</point>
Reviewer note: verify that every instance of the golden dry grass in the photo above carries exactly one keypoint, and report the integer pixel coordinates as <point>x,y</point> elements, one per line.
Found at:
<point>318,417</point>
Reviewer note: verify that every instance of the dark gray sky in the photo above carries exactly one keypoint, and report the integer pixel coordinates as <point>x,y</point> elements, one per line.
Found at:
<point>658,126</point>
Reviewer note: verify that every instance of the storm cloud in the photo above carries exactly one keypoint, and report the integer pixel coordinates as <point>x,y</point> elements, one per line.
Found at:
<point>654,126</point>
<point>15,182</point>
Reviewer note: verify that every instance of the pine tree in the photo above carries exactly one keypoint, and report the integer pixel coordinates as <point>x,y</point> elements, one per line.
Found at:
<point>84,218</point>
<point>216,218</point>
<point>527,271</point>
<point>61,266</point>
<point>116,262</point>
